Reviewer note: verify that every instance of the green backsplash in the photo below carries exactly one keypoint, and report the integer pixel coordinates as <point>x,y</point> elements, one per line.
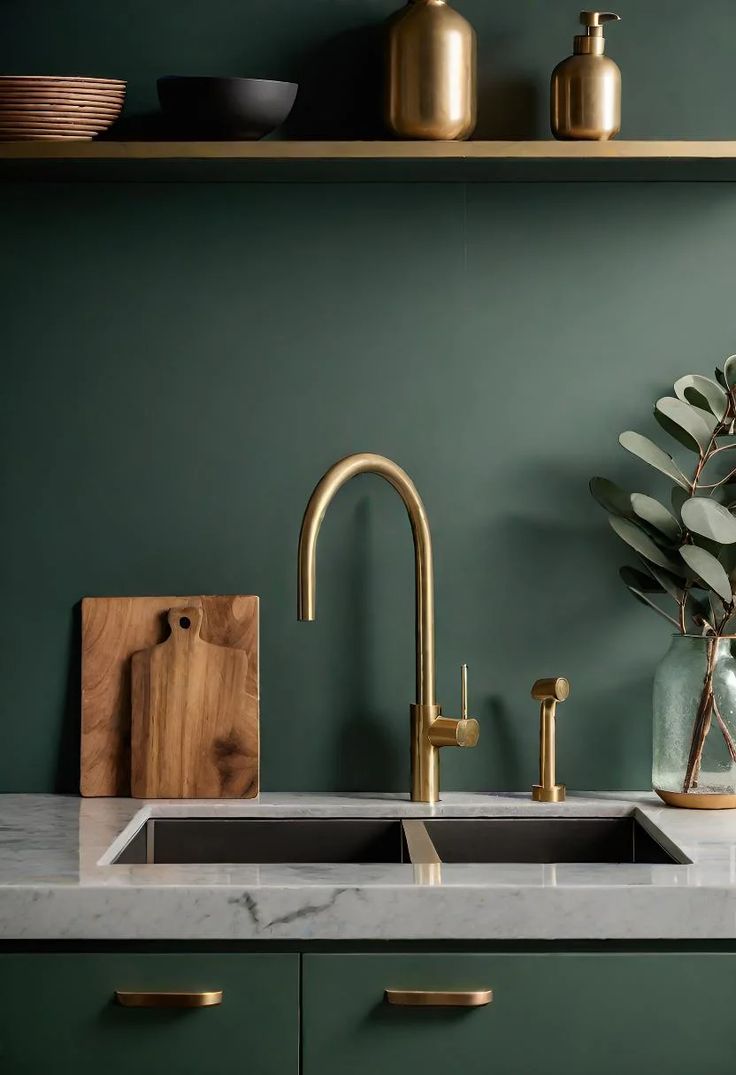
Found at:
<point>182,362</point>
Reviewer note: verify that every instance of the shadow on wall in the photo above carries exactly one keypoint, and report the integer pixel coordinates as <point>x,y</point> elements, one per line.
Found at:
<point>511,105</point>
<point>67,766</point>
<point>340,87</point>
<point>508,109</point>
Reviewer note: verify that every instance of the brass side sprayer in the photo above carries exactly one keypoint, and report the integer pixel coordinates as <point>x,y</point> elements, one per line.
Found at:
<point>549,692</point>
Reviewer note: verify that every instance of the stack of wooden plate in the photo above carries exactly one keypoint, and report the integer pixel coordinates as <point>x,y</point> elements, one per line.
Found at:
<point>40,108</point>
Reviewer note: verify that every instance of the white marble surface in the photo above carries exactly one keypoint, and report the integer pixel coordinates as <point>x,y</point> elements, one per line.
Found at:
<point>57,880</point>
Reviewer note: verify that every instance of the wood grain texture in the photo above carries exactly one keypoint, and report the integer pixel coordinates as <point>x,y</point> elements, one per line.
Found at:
<point>113,629</point>
<point>191,733</point>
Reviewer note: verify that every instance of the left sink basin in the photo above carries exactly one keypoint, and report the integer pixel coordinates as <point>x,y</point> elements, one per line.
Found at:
<point>250,840</point>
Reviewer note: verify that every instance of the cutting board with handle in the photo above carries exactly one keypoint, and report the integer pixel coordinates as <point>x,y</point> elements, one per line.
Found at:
<point>113,629</point>
<point>191,736</point>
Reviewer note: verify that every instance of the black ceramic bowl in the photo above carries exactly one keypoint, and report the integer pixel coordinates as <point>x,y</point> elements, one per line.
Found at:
<point>226,107</point>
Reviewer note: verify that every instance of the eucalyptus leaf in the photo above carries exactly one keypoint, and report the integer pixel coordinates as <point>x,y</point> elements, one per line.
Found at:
<point>707,568</point>
<point>642,597</point>
<point>651,453</point>
<point>651,511</point>
<point>709,519</point>
<point>638,580</point>
<point>713,547</point>
<point>611,497</point>
<point>669,582</point>
<point>640,542</point>
<point>686,424</point>
<point>678,496</point>
<point>718,373</point>
<point>729,371</point>
<point>702,393</point>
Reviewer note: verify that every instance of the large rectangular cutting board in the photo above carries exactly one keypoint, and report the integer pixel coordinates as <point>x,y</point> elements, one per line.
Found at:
<point>113,629</point>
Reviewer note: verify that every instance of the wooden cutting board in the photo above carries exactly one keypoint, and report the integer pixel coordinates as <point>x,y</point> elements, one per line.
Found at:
<point>113,629</point>
<point>190,733</point>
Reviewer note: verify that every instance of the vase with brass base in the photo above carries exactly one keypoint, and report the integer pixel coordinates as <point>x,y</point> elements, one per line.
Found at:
<point>431,72</point>
<point>586,87</point>
<point>695,723</point>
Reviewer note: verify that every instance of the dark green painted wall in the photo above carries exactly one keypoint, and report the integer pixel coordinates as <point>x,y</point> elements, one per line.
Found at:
<point>181,363</point>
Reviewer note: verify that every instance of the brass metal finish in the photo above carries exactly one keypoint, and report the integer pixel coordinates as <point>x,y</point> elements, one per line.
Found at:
<point>275,150</point>
<point>421,849</point>
<point>586,87</point>
<point>426,998</point>
<point>207,999</point>
<point>549,692</point>
<point>697,801</point>
<point>431,71</point>
<point>426,739</point>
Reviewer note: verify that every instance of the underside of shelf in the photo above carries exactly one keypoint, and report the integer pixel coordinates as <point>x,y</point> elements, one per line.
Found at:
<point>439,162</point>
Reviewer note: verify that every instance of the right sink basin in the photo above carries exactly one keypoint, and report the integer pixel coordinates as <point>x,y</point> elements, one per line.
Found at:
<point>549,839</point>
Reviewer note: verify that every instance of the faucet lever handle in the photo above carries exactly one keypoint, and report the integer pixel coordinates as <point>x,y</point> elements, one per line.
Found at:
<point>463,692</point>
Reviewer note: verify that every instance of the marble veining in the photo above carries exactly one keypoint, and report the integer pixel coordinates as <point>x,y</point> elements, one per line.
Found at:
<point>57,880</point>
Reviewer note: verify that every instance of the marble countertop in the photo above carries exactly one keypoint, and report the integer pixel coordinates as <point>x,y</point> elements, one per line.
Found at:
<point>58,880</point>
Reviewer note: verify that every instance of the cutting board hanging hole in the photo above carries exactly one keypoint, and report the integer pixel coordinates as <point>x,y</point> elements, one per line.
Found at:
<point>183,620</point>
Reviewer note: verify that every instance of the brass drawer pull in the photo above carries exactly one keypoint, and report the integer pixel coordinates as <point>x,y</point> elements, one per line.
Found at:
<point>168,1000</point>
<point>421,998</point>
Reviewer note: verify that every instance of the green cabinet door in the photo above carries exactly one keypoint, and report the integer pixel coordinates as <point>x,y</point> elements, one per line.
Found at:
<point>58,1015</point>
<point>556,1013</point>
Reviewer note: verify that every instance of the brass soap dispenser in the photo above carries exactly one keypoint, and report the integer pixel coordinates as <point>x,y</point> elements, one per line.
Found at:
<point>431,72</point>
<point>586,87</point>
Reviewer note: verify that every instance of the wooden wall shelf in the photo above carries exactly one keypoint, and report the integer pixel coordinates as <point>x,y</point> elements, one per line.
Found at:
<point>441,162</point>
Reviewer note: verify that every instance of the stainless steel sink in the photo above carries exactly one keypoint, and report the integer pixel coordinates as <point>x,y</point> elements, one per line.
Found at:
<point>255,840</point>
<point>549,839</point>
<point>372,840</point>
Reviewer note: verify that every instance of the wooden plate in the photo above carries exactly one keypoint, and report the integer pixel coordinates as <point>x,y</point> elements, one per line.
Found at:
<point>60,109</point>
<point>94,92</point>
<point>71,108</point>
<point>72,98</point>
<point>45,137</point>
<point>82,115</point>
<point>53,120</point>
<point>55,80</point>
<point>12,133</point>
<point>48,128</point>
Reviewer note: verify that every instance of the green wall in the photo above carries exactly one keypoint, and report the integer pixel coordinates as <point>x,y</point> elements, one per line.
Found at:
<point>182,362</point>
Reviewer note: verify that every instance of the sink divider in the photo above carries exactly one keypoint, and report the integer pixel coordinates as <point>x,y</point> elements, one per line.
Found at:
<point>422,851</point>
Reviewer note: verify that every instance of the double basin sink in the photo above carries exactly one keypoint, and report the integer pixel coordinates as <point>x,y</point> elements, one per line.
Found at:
<point>378,840</point>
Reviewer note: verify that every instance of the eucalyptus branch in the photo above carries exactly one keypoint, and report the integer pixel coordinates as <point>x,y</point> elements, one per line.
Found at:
<point>723,481</point>
<point>687,548</point>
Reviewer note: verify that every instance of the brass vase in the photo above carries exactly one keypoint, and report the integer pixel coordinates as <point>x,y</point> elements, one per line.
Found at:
<point>431,72</point>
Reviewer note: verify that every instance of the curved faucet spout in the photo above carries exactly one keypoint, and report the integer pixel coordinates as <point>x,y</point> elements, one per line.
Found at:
<point>320,500</point>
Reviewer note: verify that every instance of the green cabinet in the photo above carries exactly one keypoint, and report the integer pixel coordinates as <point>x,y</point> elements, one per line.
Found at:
<point>558,1013</point>
<point>561,1013</point>
<point>58,1015</point>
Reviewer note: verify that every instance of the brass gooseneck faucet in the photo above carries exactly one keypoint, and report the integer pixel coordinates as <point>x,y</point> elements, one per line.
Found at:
<point>429,729</point>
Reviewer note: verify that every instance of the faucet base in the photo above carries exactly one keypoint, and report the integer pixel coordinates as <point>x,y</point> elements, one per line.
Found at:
<point>425,758</point>
<point>555,793</point>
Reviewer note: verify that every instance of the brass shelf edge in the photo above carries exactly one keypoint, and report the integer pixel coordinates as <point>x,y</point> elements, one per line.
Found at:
<point>537,149</point>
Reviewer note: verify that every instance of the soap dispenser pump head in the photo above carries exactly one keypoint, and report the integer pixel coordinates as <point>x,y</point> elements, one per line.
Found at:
<point>592,42</point>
